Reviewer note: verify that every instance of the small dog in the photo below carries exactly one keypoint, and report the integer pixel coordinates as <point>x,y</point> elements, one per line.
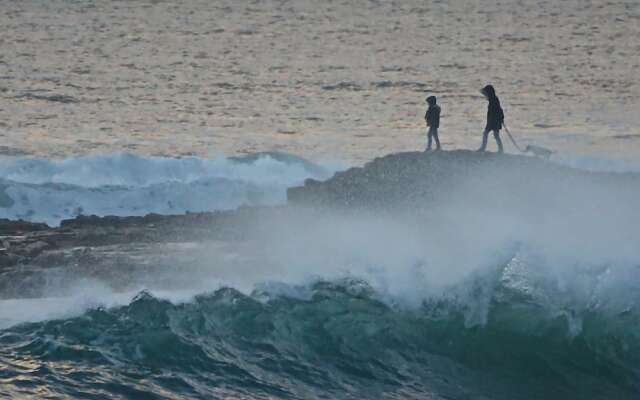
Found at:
<point>539,151</point>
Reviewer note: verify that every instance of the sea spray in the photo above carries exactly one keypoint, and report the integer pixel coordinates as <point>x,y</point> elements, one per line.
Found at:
<point>126,184</point>
<point>505,288</point>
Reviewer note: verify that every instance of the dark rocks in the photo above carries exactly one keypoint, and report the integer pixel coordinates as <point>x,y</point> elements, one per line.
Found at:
<point>112,249</point>
<point>415,180</point>
<point>9,227</point>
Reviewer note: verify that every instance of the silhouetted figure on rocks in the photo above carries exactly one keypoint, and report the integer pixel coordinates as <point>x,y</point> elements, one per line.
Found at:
<point>495,118</point>
<point>433,122</point>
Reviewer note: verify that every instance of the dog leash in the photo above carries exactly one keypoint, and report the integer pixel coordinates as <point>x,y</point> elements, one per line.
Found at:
<point>511,137</point>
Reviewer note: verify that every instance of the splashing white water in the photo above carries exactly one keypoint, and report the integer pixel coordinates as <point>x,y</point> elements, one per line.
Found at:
<point>125,184</point>
<point>574,256</point>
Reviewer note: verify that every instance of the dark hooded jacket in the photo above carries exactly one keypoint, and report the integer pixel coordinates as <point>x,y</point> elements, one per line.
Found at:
<point>495,115</point>
<point>433,116</point>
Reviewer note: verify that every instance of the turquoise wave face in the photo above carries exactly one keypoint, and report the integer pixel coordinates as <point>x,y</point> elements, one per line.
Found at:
<point>340,341</point>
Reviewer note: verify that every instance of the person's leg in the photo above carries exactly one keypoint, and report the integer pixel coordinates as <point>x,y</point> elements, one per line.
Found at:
<point>496,134</point>
<point>435,136</point>
<point>485,136</point>
<point>430,138</point>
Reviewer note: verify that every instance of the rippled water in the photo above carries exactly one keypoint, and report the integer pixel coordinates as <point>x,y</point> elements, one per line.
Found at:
<point>342,80</point>
<point>468,306</point>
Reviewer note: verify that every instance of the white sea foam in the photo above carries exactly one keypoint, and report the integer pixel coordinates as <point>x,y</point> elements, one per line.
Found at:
<point>85,295</point>
<point>125,184</point>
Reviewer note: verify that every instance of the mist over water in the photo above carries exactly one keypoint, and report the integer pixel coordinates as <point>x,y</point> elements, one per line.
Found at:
<point>537,296</point>
<point>472,228</point>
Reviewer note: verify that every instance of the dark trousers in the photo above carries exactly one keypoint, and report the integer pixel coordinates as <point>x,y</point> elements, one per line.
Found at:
<point>432,134</point>
<point>496,135</point>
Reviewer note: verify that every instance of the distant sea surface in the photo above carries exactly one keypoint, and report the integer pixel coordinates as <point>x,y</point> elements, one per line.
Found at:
<point>341,80</point>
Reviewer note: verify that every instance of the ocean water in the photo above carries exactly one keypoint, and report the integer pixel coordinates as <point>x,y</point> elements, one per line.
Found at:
<point>42,190</point>
<point>333,339</point>
<point>461,305</point>
<point>340,80</point>
<point>97,99</point>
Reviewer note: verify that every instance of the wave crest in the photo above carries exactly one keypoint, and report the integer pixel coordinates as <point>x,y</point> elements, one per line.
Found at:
<point>125,184</point>
<point>343,339</point>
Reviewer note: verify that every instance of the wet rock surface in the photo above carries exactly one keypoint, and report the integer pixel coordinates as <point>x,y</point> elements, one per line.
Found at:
<point>415,180</point>
<point>112,249</point>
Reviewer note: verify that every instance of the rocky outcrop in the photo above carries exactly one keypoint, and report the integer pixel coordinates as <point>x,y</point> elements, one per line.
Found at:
<point>113,249</point>
<point>407,181</point>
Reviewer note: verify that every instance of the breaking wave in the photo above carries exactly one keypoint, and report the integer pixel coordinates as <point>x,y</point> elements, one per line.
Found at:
<point>332,339</point>
<point>513,301</point>
<point>41,190</point>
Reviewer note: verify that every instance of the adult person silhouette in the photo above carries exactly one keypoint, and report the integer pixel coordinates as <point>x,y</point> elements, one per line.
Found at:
<point>495,118</point>
<point>432,116</point>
